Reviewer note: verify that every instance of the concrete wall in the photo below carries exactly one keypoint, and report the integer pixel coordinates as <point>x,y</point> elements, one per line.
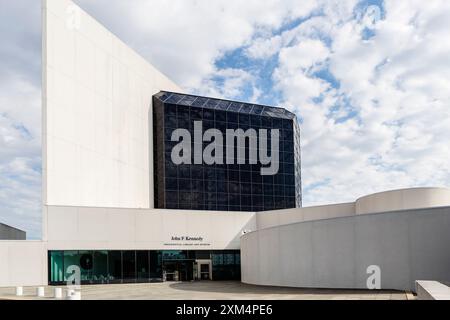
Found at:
<point>393,200</point>
<point>287,216</point>
<point>23,263</point>
<point>107,228</point>
<point>97,97</point>
<point>10,233</point>
<point>432,290</point>
<point>335,253</point>
<point>412,198</point>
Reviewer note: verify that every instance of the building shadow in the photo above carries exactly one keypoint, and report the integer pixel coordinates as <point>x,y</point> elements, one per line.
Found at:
<point>236,287</point>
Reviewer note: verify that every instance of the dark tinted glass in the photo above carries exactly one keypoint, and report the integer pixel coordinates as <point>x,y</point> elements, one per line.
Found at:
<point>129,265</point>
<point>228,186</point>
<point>142,265</point>
<point>114,266</point>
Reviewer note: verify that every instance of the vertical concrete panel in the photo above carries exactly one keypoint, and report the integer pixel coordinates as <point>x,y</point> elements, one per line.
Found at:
<point>251,258</point>
<point>97,98</point>
<point>23,263</point>
<point>429,236</point>
<point>333,253</point>
<point>268,263</point>
<point>296,260</point>
<point>383,240</point>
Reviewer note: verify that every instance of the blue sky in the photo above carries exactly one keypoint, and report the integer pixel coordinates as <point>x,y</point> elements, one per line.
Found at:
<point>368,80</point>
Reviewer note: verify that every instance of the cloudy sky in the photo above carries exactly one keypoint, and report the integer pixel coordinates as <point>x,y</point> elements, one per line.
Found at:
<point>369,81</point>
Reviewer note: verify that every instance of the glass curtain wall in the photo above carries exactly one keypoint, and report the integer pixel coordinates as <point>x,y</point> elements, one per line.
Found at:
<point>224,187</point>
<point>116,266</point>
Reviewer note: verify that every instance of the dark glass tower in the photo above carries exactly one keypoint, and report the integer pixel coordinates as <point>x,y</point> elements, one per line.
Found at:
<point>223,187</point>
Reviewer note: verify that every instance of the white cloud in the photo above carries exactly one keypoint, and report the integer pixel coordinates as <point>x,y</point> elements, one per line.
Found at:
<point>20,156</point>
<point>184,38</point>
<point>396,83</point>
<point>232,83</point>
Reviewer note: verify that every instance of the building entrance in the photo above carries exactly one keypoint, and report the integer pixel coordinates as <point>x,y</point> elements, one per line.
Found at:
<point>178,270</point>
<point>130,266</point>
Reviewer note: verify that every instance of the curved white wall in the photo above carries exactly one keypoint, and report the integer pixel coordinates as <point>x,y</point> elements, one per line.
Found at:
<point>273,218</point>
<point>413,198</point>
<point>334,253</point>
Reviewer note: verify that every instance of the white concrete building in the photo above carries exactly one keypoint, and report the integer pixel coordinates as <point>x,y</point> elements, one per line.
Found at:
<point>11,233</point>
<point>113,209</point>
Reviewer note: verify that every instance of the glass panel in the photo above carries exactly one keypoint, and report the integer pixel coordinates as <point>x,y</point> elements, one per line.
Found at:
<point>200,101</point>
<point>228,258</point>
<point>115,266</point>
<point>204,267</point>
<point>100,270</point>
<point>71,258</point>
<point>86,265</point>
<point>174,98</point>
<point>163,95</point>
<point>203,254</point>
<point>142,265</point>
<point>129,265</point>
<point>217,258</point>
<point>257,109</point>
<point>56,266</point>
<point>234,106</point>
<point>246,108</point>
<point>226,265</point>
<point>174,255</point>
<point>211,103</point>
<point>187,100</point>
<point>155,265</point>
<point>222,105</point>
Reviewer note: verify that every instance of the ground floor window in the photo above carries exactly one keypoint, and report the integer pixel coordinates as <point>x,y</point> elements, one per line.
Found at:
<point>128,266</point>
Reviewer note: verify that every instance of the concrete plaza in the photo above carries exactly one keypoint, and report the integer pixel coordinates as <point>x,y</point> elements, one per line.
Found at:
<point>210,290</point>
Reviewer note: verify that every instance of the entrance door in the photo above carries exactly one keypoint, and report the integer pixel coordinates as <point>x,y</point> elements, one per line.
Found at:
<point>182,270</point>
<point>204,269</point>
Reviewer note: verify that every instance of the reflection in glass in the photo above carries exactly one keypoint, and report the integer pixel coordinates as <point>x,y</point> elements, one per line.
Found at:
<point>129,265</point>
<point>100,268</point>
<point>142,266</point>
<point>56,266</point>
<point>114,266</point>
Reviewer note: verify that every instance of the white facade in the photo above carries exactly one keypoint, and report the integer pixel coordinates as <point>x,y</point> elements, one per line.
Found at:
<point>403,232</point>
<point>23,263</point>
<point>97,96</point>
<point>145,229</point>
<point>98,189</point>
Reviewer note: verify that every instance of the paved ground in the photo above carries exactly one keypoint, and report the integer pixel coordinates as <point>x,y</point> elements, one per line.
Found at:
<point>210,290</point>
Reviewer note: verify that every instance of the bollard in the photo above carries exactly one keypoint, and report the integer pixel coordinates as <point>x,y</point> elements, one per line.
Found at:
<point>58,293</point>
<point>40,292</point>
<point>19,291</point>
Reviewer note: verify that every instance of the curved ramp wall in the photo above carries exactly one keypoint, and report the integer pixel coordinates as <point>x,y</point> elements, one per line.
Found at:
<point>334,253</point>
<point>403,199</point>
